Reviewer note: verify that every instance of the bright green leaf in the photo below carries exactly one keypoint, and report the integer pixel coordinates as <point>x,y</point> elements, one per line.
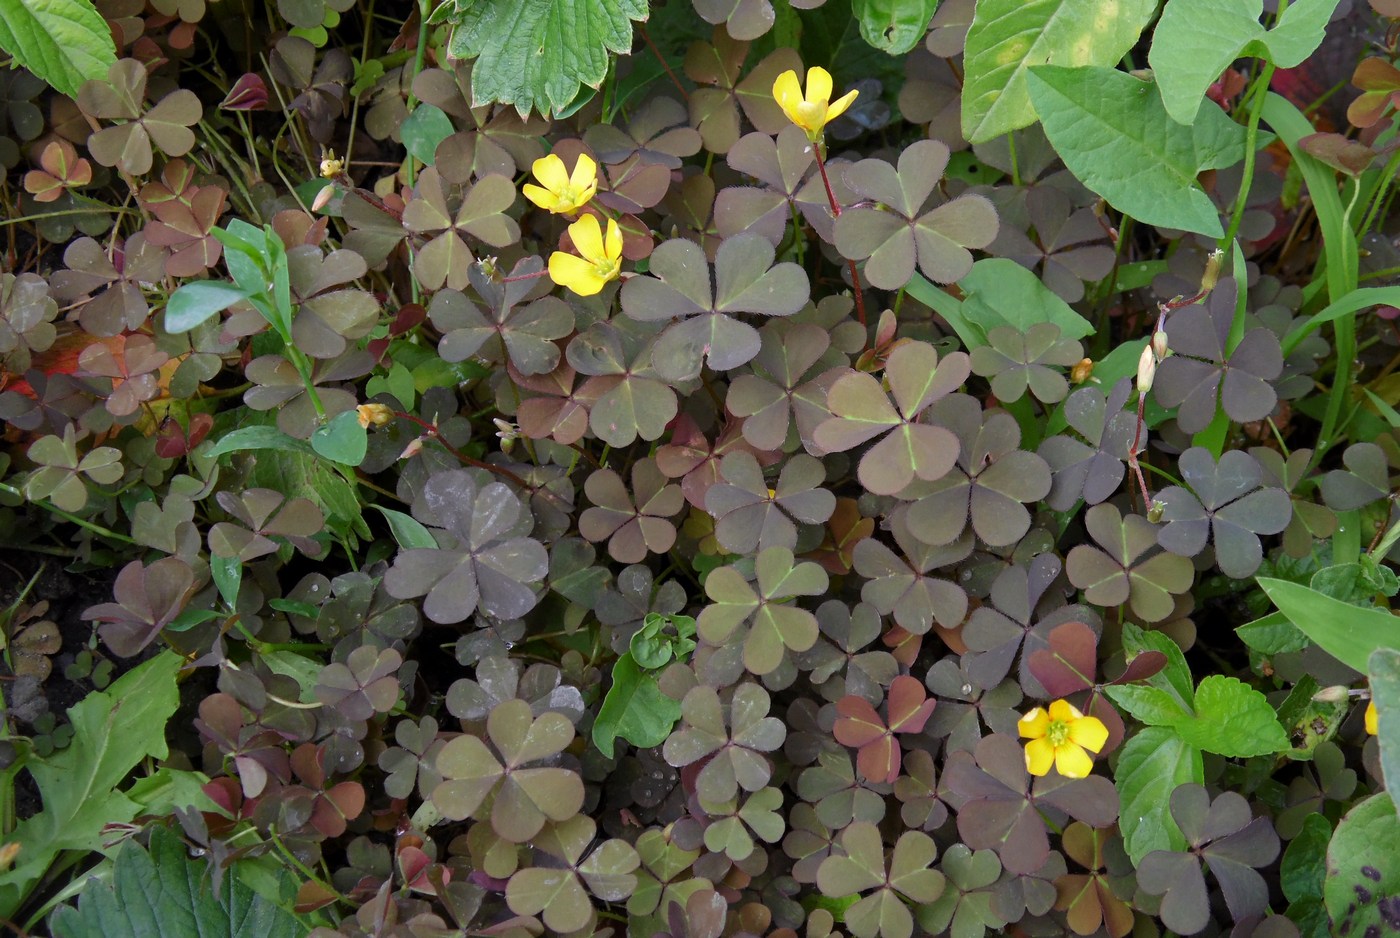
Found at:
<point>1346,632</point>
<point>1233,719</point>
<point>423,130</point>
<point>228,577</point>
<point>1113,133</point>
<point>1361,856</point>
<point>1007,37</point>
<point>893,26</point>
<point>1000,292</point>
<point>408,531</point>
<point>535,54</point>
<point>258,437</point>
<point>1150,767</point>
<point>194,303</point>
<point>64,42</point>
<point>1150,705</point>
<point>342,440</point>
<point>1196,40</point>
<point>1385,693</point>
<point>634,709</point>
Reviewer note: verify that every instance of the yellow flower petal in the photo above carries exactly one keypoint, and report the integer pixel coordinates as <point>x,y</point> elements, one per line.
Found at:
<point>1062,711</point>
<point>575,273</point>
<point>1073,762</point>
<point>587,236</point>
<point>540,196</point>
<point>838,107</point>
<point>1040,755</point>
<point>1372,719</point>
<point>818,85</point>
<point>788,93</point>
<point>1088,732</point>
<point>1034,724</point>
<point>613,244</point>
<point>549,170</point>
<point>585,173</point>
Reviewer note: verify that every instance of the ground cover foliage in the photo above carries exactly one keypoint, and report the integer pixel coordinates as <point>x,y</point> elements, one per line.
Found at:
<point>698,468</point>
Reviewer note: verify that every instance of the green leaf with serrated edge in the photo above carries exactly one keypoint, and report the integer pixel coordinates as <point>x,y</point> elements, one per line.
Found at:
<point>1362,867</point>
<point>166,894</point>
<point>341,440</point>
<point>1233,719</point>
<point>1113,133</point>
<point>408,531</point>
<point>893,26</point>
<point>634,709</point>
<point>113,731</point>
<point>64,42</point>
<point>1346,632</point>
<point>1009,36</point>
<point>535,54</point>
<point>1195,40</point>
<point>423,130</point>
<point>253,438</point>
<point>1385,693</point>
<point>195,303</point>
<point>1150,705</point>
<point>1150,767</point>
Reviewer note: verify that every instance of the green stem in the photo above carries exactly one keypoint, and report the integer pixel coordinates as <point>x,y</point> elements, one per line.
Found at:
<point>1382,193</point>
<point>81,522</point>
<point>1257,91</point>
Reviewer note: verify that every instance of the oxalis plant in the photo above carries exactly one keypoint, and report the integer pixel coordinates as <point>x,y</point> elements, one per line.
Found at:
<point>700,468</point>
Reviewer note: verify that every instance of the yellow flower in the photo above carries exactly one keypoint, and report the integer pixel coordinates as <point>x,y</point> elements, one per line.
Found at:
<point>330,166</point>
<point>813,111</point>
<point>558,191</point>
<point>601,260</point>
<point>1059,738</point>
<point>374,415</point>
<point>1372,719</point>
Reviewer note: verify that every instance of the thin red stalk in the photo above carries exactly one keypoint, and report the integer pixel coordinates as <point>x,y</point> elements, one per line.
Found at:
<point>664,64</point>
<point>538,273</point>
<point>430,430</point>
<point>836,211</point>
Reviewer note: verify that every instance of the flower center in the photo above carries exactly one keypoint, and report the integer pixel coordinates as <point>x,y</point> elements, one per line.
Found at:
<point>812,114</point>
<point>1058,733</point>
<point>606,267</point>
<point>567,194</point>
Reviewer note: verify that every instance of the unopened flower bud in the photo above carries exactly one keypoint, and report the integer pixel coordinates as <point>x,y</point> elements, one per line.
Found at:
<point>414,447</point>
<point>1082,371</point>
<point>1212,273</point>
<point>1155,510</point>
<point>374,415</point>
<point>323,198</point>
<point>1159,344</point>
<point>1335,694</point>
<point>1147,370</point>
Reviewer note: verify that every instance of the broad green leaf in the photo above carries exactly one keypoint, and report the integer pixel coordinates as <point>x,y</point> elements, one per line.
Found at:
<point>1149,768</point>
<point>1000,292</point>
<point>423,130</point>
<point>1175,678</point>
<point>1233,719</point>
<point>259,437</point>
<point>535,54</point>
<point>1150,705</point>
<point>64,42</point>
<point>341,440</point>
<point>1195,40</point>
<point>1362,867</point>
<point>1272,634</point>
<point>1385,693</point>
<point>408,531</point>
<point>195,303</point>
<point>1346,632</point>
<point>113,731</point>
<point>1007,37</point>
<point>634,709</point>
<point>1113,133</point>
<point>893,26</point>
<point>166,894</point>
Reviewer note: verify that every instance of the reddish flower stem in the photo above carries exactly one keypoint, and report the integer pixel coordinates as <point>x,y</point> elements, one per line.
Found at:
<point>836,211</point>
<point>517,279</point>
<point>664,64</point>
<point>430,430</point>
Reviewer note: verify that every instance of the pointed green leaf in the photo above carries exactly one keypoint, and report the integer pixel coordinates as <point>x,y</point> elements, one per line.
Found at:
<point>1114,134</point>
<point>635,709</point>
<point>1346,632</point>
<point>1150,767</point>
<point>64,42</point>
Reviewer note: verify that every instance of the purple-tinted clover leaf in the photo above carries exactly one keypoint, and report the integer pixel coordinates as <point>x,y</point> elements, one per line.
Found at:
<point>766,618</point>
<point>1093,469</point>
<point>904,584</point>
<point>366,683</point>
<point>792,373</point>
<point>1229,508</point>
<point>1017,361</point>
<point>523,334</point>
<point>635,522</point>
<point>147,600</point>
<point>1127,566</point>
<point>861,866</point>
<point>749,516</point>
<point>734,755</point>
